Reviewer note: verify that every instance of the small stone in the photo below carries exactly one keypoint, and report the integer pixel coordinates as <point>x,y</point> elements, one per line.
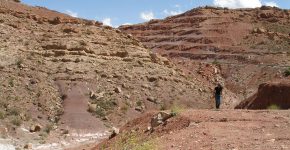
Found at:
<point>77,60</point>
<point>35,128</point>
<point>28,146</point>
<point>114,132</point>
<point>92,95</point>
<point>92,107</point>
<point>139,109</point>
<point>118,90</point>
<point>33,81</point>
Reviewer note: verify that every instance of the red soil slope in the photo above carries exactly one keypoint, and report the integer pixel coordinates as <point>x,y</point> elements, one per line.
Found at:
<point>207,130</point>
<point>269,94</point>
<point>248,46</point>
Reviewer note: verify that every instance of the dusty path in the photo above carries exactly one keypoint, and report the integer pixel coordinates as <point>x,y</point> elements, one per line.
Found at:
<point>231,130</point>
<point>83,127</point>
<point>76,116</point>
<point>210,130</point>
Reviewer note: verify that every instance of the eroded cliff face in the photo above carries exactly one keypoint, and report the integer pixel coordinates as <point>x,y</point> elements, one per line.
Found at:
<point>247,46</point>
<point>272,95</point>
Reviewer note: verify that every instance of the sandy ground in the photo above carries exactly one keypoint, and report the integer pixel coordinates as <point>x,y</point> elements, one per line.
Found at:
<point>231,130</point>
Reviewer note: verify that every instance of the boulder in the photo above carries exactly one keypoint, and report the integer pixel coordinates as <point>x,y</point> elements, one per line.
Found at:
<point>160,118</point>
<point>55,21</point>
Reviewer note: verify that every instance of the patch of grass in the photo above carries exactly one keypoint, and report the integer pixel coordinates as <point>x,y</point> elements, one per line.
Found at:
<point>19,62</point>
<point>107,104</point>
<point>216,62</point>
<point>2,115</point>
<point>124,109</point>
<point>16,121</point>
<point>148,145</point>
<point>100,112</point>
<point>48,128</point>
<point>287,72</point>
<point>13,111</point>
<point>162,107</point>
<point>277,27</point>
<point>3,104</point>
<point>133,141</point>
<point>11,82</point>
<point>176,109</point>
<point>139,103</point>
<point>103,107</point>
<point>274,107</point>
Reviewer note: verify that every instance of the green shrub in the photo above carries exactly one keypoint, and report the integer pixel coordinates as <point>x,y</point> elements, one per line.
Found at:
<point>100,112</point>
<point>139,103</point>
<point>287,72</point>
<point>48,128</point>
<point>215,62</point>
<point>11,82</point>
<point>16,121</point>
<point>124,109</point>
<point>274,107</point>
<point>2,115</point>
<point>176,109</point>
<point>134,142</point>
<point>162,107</point>
<point>13,111</point>
<point>19,62</point>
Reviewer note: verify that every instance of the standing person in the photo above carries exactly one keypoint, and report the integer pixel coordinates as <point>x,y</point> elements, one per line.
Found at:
<point>218,94</point>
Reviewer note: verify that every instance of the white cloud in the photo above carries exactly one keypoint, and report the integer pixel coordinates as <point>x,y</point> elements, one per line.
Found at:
<point>127,23</point>
<point>147,15</point>
<point>172,12</point>
<point>71,13</point>
<point>107,21</point>
<point>177,6</point>
<point>238,3</point>
<point>272,4</point>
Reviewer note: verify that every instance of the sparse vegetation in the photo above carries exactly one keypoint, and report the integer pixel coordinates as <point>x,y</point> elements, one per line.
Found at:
<point>162,107</point>
<point>134,142</point>
<point>124,109</point>
<point>2,115</point>
<point>139,103</point>
<point>16,120</point>
<point>215,62</point>
<point>19,62</point>
<point>11,82</point>
<point>100,112</point>
<point>274,107</point>
<point>13,111</point>
<point>103,107</point>
<point>48,128</point>
<point>176,109</point>
<point>287,72</point>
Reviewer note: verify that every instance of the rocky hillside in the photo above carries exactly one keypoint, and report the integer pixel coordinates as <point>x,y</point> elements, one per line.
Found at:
<point>60,75</point>
<point>247,46</point>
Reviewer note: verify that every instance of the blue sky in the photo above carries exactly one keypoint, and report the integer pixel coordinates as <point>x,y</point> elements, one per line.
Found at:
<point>118,12</point>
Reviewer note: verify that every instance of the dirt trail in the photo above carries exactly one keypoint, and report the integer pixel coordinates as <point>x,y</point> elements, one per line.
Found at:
<point>213,130</point>
<point>232,129</point>
<point>76,117</point>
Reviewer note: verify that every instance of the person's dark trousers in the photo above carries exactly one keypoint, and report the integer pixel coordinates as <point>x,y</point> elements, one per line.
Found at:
<point>217,101</point>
